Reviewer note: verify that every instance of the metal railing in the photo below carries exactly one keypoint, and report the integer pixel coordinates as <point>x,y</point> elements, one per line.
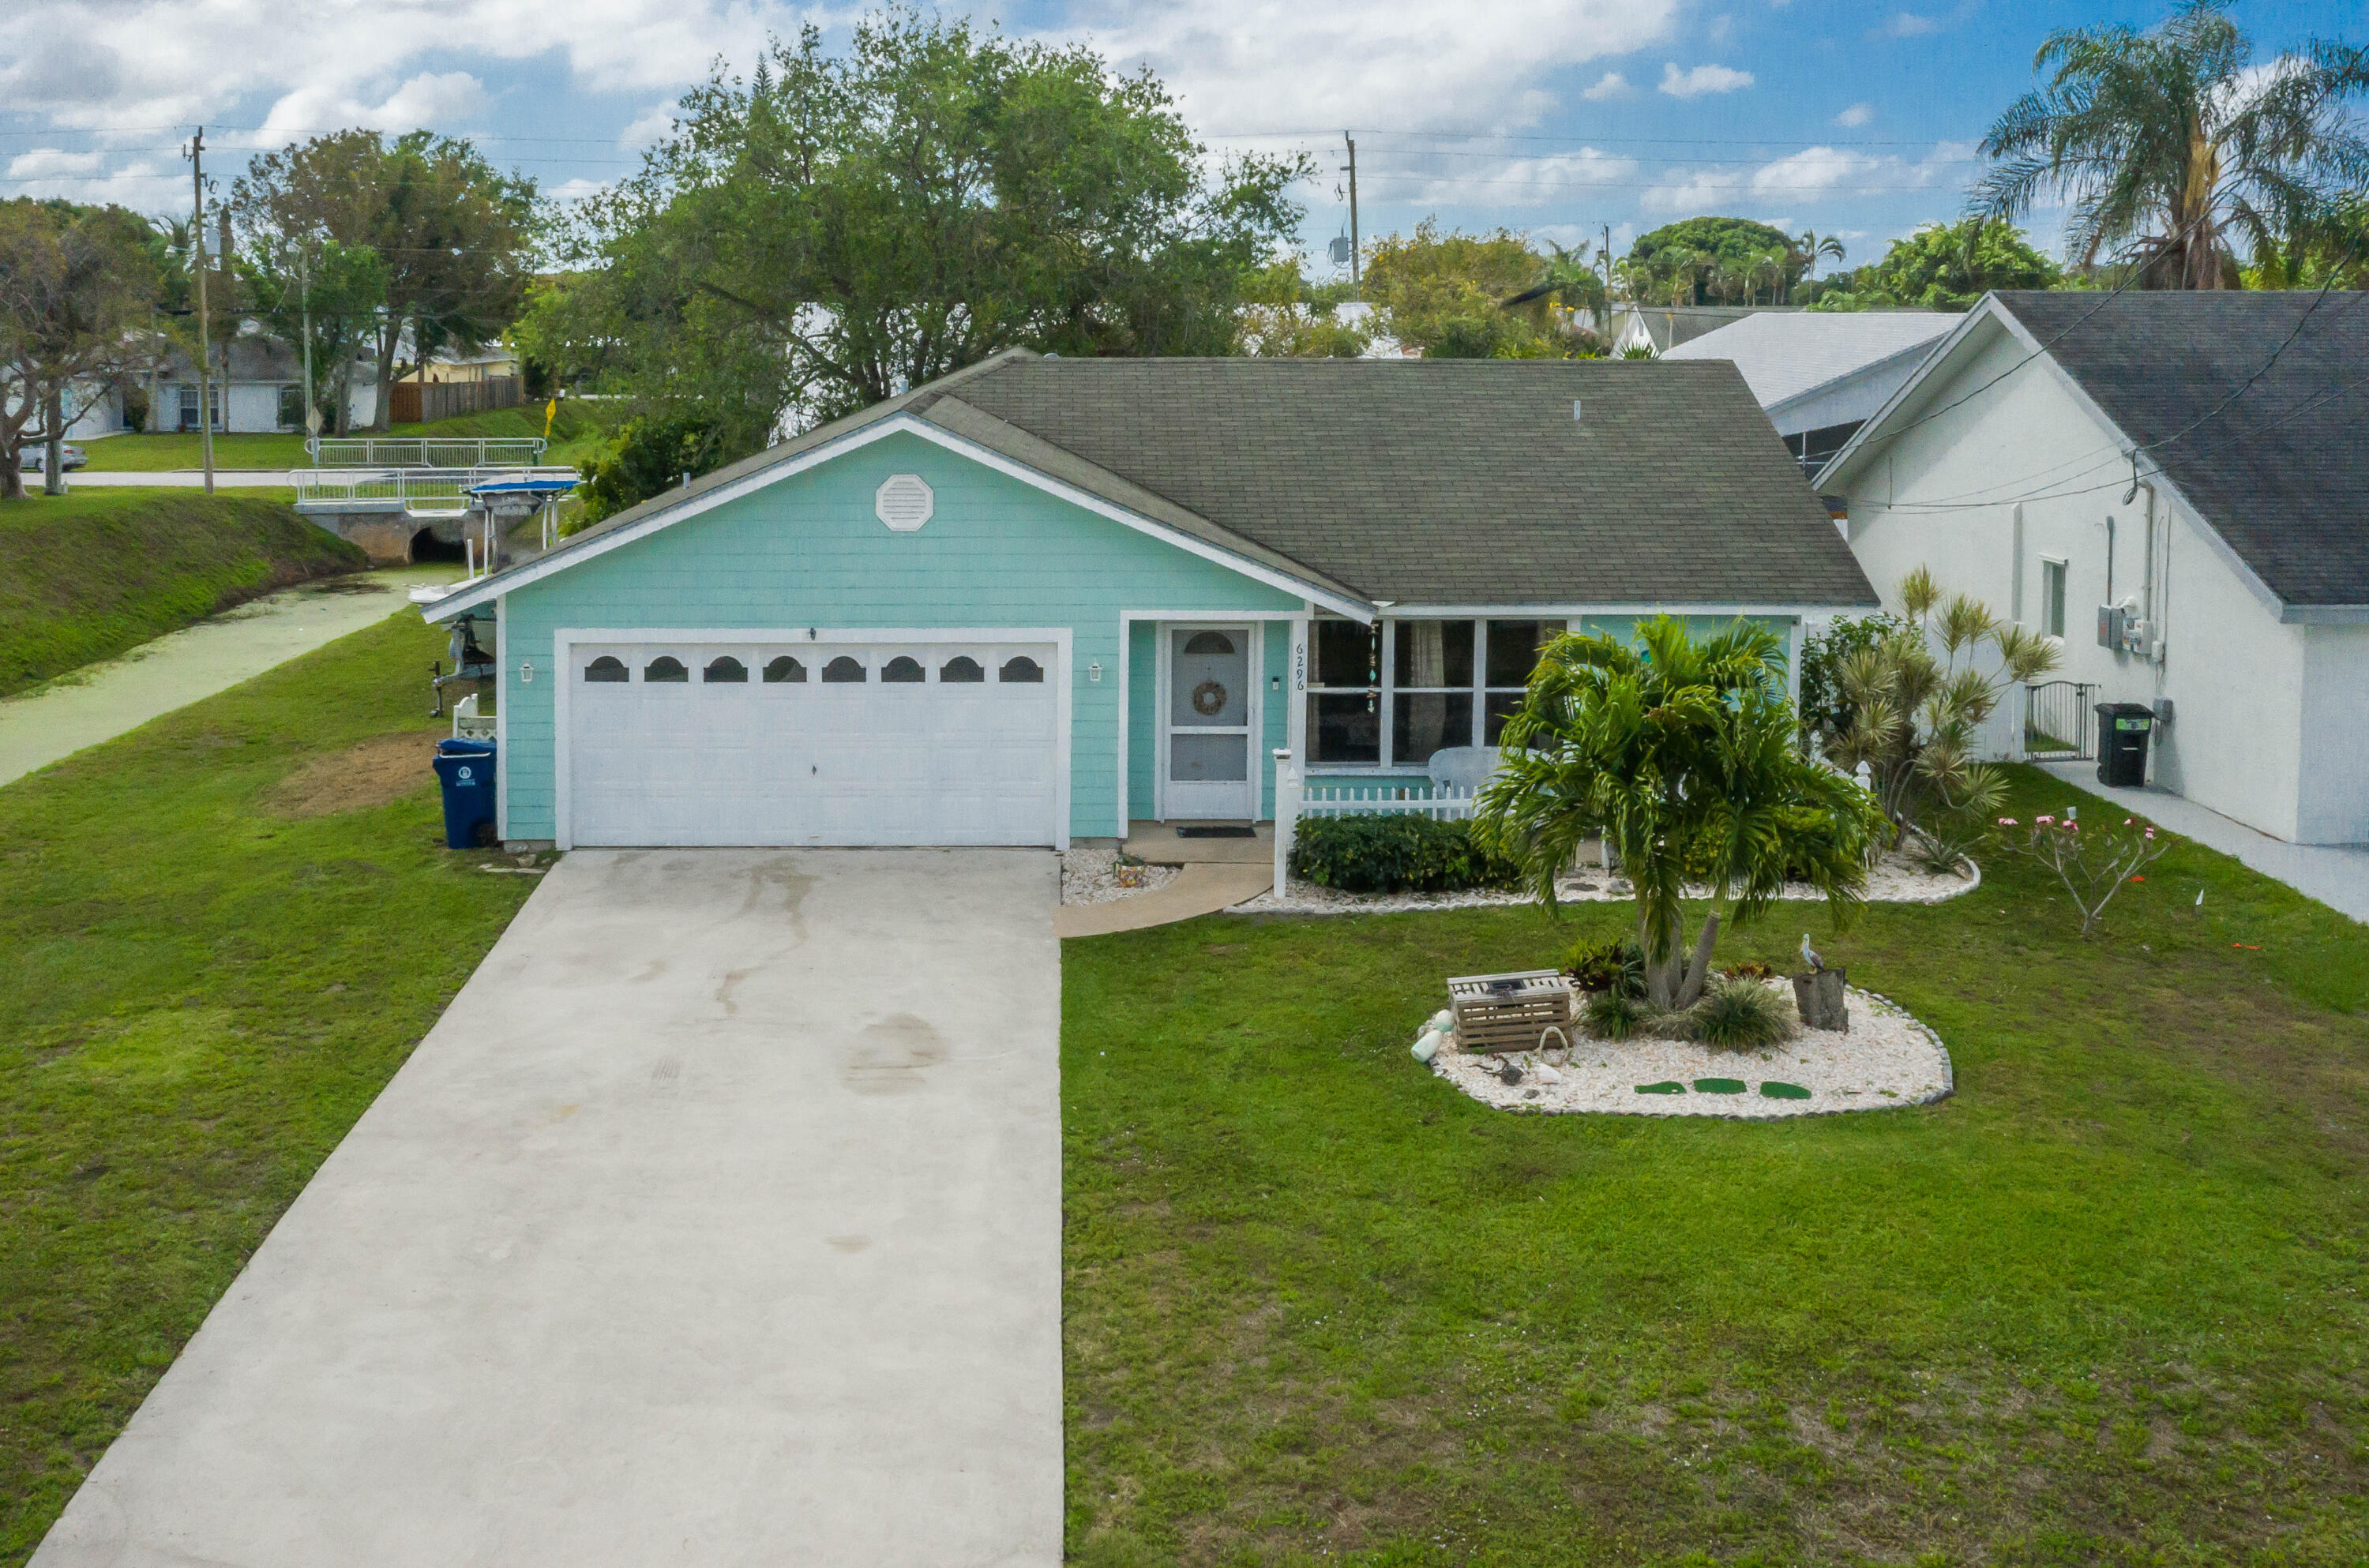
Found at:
<point>417,452</point>
<point>2057,727</point>
<point>415,489</point>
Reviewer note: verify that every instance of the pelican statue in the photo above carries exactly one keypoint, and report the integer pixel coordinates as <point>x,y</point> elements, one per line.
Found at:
<point>1810,954</point>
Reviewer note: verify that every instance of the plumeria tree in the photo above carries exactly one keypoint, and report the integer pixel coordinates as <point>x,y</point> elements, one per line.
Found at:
<point>2092,863</point>
<point>1681,754</point>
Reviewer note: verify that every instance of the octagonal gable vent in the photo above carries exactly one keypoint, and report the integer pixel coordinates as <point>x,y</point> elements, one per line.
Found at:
<point>904,502</point>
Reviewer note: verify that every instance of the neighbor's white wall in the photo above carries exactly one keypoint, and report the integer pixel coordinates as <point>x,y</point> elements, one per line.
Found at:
<point>2334,807</point>
<point>2233,671</point>
<point>1853,400</point>
<point>104,417</point>
<point>252,408</point>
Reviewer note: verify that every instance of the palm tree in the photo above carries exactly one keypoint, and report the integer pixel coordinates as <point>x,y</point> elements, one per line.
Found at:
<point>2173,143</point>
<point>1813,246</point>
<point>1572,281</point>
<point>1682,755</point>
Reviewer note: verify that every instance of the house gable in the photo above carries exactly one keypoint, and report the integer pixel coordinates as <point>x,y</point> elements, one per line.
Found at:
<point>807,549</point>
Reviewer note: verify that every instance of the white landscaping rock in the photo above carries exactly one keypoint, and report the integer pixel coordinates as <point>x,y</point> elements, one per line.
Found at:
<point>1091,876</point>
<point>1887,1061</point>
<point>1895,879</point>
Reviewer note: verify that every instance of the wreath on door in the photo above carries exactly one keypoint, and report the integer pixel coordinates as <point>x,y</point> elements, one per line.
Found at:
<point>1209,699</point>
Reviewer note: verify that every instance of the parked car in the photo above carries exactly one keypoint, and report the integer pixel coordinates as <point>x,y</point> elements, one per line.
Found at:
<point>30,459</point>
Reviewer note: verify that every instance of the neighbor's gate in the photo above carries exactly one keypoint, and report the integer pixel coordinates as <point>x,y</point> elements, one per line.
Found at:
<point>2056,722</point>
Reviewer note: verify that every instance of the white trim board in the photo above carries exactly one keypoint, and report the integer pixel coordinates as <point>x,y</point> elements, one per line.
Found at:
<point>566,638</point>
<point>566,558</point>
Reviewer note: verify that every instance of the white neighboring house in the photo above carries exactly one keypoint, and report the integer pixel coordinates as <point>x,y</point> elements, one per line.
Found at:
<point>1664,327</point>
<point>1822,374</point>
<point>2196,462</point>
<point>264,390</point>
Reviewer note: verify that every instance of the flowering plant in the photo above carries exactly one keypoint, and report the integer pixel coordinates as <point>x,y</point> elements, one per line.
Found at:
<point>2092,865</point>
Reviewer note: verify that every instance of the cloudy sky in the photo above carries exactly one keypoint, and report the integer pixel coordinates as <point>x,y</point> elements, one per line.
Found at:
<point>1557,117</point>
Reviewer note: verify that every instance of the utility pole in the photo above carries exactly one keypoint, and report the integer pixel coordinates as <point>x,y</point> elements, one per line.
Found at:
<point>198,266</point>
<point>305,300</point>
<point>1357,279</point>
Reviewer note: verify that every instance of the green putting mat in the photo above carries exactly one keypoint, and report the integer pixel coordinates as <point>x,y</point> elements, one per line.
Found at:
<point>1775,1091</point>
<point>1663,1088</point>
<point>1719,1086</point>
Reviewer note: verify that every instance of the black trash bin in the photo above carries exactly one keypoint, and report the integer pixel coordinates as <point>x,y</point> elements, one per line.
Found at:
<point>465,768</point>
<point>2123,730</point>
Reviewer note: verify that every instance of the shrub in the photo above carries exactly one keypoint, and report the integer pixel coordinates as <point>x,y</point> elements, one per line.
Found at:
<point>1615,966</point>
<point>1739,1015</point>
<point>1750,969</point>
<point>1395,854</point>
<point>1613,1016</point>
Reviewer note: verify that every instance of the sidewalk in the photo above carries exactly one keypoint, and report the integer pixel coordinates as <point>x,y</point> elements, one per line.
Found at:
<point>192,479</point>
<point>2335,874</point>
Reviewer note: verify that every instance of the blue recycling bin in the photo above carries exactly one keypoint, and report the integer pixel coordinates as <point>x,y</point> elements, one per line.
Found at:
<point>465,768</point>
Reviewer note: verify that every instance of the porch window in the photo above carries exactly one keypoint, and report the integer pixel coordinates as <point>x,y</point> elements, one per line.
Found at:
<point>1442,684</point>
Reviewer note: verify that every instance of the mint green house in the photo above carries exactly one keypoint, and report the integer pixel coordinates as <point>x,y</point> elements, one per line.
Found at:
<point>1041,600</point>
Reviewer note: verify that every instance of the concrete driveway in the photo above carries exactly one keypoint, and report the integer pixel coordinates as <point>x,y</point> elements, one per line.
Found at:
<point>717,1222</point>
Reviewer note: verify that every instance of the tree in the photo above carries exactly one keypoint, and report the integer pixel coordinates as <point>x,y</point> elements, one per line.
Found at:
<point>840,226</point>
<point>1682,755</point>
<point>2330,252</point>
<point>455,237</point>
<point>1283,315</point>
<point>2172,144</point>
<point>1481,296</point>
<point>1698,260</point>
<point>649,455</point>
<point>77,286</point>
<point>1913,719</point>
<point>1942,267</point>
<point>336,293</point>
<point>1815,247</point>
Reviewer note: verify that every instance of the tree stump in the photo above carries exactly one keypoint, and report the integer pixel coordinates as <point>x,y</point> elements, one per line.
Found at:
<point>1819,996</point>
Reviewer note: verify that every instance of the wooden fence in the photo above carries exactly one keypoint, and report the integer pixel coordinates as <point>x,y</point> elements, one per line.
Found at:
<point>420,403</point>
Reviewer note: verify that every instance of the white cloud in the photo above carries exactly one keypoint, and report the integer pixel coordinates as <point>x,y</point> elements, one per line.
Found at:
<point>1611,85</point>
<point>649,127</point>
<point>1246,65</point>
<point>1907,24</point>
<point>1516,182</point>
<point>569,191</point>
<point>44,162</point>
<point>1702,79</point>
<point>1814,172</point>
<point>445,102</point>
<point>1857,115</point>
<point>1698,191</point>
<point>101,62</point>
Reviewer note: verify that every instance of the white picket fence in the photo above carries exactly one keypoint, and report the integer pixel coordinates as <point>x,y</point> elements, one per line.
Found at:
<point>1295,798</point>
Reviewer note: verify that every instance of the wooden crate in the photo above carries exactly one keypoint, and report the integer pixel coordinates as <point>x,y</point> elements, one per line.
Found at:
<point>1496,1013</point>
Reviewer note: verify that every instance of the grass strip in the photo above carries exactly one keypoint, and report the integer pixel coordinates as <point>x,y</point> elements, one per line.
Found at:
<point>86,577</point>
<point>206,972</point>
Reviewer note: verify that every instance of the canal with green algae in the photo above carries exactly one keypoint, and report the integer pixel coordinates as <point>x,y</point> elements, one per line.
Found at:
<point>102,701</point>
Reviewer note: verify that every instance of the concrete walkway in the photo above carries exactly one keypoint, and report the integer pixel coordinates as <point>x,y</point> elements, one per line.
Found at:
<point>1201,888</point>
<point>102,701</point>
<point>2335,874</point>
<point>717,1223</point>
<point>177,478</point>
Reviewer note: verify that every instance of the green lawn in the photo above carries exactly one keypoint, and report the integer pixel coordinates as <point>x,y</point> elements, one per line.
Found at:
<point>2105,1306</point>
<point>198,997</point>
<point>575,433</point>
<point>87,575</point>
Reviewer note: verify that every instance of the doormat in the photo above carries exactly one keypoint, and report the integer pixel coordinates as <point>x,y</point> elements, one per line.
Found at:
<point>1217,832</point>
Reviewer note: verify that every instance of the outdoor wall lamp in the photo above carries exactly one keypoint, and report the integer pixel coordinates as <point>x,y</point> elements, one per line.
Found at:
<point>1095,673</point>
<point>526,673</point>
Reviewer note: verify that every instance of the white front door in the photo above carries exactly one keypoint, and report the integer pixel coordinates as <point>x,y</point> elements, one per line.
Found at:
<point>1211,769</point>
<point>726,743</point>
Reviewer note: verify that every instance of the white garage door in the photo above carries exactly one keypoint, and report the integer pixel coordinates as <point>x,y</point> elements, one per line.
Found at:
<point>812,743</point>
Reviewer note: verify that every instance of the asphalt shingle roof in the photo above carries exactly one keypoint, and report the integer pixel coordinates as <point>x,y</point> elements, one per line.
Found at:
<point>1433,481</point>
<point>1447,481</point>
<point>2282,473</point>
<point>1784,354</point>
